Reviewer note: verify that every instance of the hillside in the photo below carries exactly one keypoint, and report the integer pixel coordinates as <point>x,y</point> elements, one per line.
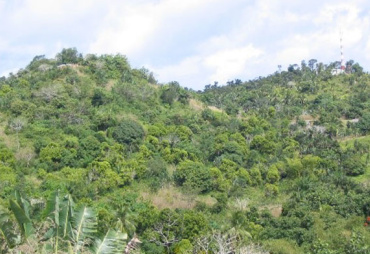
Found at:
<point>279,164</point>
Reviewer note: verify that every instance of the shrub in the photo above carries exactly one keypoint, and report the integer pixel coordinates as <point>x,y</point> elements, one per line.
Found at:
<point>193,174</point>
<point>271,190</point>
<point>128,132</point>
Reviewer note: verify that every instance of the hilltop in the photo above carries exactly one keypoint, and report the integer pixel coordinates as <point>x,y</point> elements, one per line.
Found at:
<point>278,164</point>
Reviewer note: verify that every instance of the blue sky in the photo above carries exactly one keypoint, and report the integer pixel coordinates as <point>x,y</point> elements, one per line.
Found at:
<point>194,42</point>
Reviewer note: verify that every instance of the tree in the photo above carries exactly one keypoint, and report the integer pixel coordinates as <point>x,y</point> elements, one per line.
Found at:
<point>263,145</point>
<point>102,178</point>
<point>170,93</point>
<point>129,132</point>
<point>229,241</point>
<point>194,224</point>
<point>50,93</point>
<point>311,64</point>
<point>256,176</point>
<point>364,123</point>
<point>183,247</point>
<point>194,175</point>
<point>166,231</point>
<point>68,56</point>
<point>8,179</point>
<point>273,174</point>
<point>294,167</point>
<point>157,173</point>
<point>17,125</point>
<point>353,165</point>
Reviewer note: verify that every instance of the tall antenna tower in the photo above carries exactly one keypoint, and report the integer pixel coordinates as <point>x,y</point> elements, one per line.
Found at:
<point>342,65</point>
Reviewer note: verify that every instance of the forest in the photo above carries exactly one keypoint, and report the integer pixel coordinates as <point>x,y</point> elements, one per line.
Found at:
<point>99,157</point>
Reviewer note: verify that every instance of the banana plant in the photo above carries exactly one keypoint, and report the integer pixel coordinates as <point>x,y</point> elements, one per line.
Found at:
<point>60,211</point>
<point>7,231</point>
<point>84,226</point>
<point>71,230</point>
<point>114,242</point>
<point>21,211</point>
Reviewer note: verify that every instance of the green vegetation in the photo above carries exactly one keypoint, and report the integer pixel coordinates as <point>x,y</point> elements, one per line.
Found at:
<point>94,153</point>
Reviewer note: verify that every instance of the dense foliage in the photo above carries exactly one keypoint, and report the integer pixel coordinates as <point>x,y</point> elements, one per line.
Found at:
<point>94,152</point>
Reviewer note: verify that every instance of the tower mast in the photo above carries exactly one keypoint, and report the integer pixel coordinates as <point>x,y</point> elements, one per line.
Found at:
<point>342,65</point>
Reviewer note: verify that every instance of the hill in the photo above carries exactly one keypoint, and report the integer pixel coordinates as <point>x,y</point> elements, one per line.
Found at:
<point>278,164</point>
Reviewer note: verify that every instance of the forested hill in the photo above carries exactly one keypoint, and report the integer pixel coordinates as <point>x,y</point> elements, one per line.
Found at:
<point>94,153</point>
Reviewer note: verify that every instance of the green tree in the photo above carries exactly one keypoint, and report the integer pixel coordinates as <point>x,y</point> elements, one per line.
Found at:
<point>256,176</point>
<point>102,178</point>
<point>129,132</point>
<point>263,145</point>
<point>193,174</point>
<point>364,123</point>
<point>195,224</point>
<point>273,174</point>
<point>68,56</point>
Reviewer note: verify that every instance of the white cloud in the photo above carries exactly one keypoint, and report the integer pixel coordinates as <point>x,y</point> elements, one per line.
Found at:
<point>187,72</point>
<point>284,36</point>
<point>130,27</point>
<point>194,42</point>
<point>367,54</point>
<point>221,66</point>
<point>6,73</point>
<point>49,12</point>
<point>229,63</point>
<point>292,55</point>
<point>127,30</point>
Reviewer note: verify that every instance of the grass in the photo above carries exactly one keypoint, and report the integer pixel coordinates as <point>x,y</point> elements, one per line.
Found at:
<point>196,105</point>
<point>348,142</point>
<point>364,178</point>
<point>9,141</point>
<point>172,197</point>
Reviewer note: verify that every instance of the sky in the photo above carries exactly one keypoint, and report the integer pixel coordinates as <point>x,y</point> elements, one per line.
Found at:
<point>194,42</point>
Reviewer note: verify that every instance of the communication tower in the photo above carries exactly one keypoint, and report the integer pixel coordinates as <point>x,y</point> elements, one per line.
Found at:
<point>339,70</point>
<point>342,65</point>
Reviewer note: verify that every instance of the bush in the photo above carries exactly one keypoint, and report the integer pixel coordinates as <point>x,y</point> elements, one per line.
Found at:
<point>273,175</point>
<point>194,175</point>
<point>354,166</point>
<point>129,132</point>
<point>256,176</point>
<point>271,190</point>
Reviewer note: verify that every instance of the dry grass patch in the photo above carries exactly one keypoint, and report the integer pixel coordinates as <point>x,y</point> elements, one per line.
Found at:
<point>213,108</point>
<point>153,85</point>
<point>171,197</point>
<point>36,182</point>
<point>109,85</point>
<point>208,200</point>
<point>308,118</point>
<point>25,154</point>
<point>197,105</point>
<point>275,210</point>
<point>9,141</point>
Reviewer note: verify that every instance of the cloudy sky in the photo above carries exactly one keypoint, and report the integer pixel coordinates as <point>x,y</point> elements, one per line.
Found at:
<point>194,42</point>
